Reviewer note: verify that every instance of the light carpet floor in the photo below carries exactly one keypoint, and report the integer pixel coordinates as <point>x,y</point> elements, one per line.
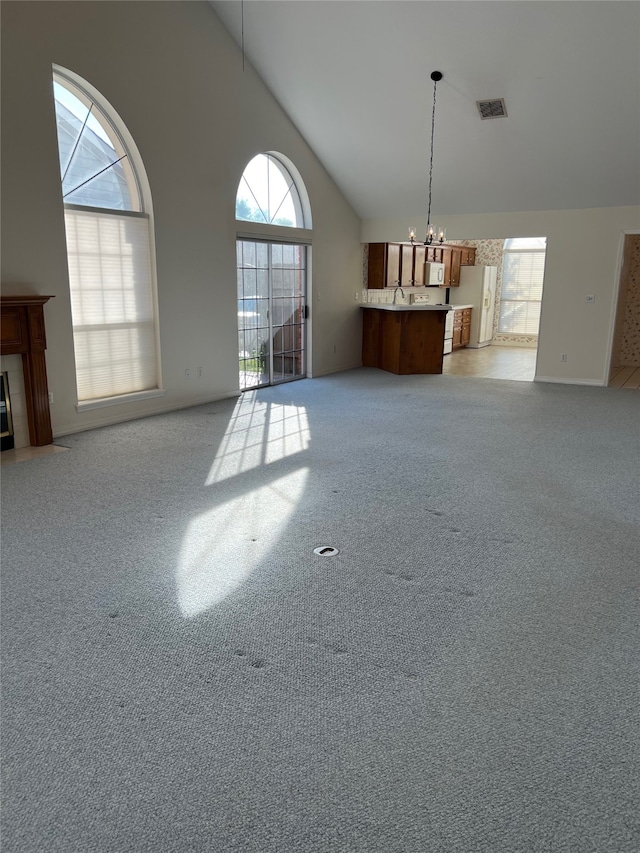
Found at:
<point>182,673</point>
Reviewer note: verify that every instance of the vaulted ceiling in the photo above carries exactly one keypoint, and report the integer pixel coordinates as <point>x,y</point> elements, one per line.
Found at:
<point>354,77</point>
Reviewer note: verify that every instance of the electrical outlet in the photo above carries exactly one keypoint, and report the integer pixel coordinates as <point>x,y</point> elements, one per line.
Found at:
<point>187,374</point>
<point>357,296</point>
<point>198,372</point>
<point>591,297</point>
<point>563,356</point>
<point>50,398</point>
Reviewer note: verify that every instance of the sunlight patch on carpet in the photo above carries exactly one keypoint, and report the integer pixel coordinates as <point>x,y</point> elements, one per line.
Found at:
<point>223,546</point>
<point>259,433</point>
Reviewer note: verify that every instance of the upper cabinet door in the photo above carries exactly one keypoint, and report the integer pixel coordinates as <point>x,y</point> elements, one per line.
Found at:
<point>383,265</point>
<point>456,259</point>
<point>407,265</point>
<point>446,260</point>
<point>392,278</point>
<point>419,259</point>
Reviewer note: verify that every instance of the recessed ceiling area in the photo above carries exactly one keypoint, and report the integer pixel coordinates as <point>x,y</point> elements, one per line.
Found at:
<point>355,79</point>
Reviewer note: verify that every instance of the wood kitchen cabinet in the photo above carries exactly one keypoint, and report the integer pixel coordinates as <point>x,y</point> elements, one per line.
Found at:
<point>434,254</point>
<point>407,263</point>
<point>384,265</point>
<point>419,260</point>
<point>468,256</point>
<point>403,341</point>
<point>465,336</point>
<point>461,328</point>
<point>451,258</point>
<point>393,264</point>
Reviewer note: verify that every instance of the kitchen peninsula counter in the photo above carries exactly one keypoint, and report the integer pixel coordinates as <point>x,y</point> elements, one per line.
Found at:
<point>403,339</point>
<point>418,306</point>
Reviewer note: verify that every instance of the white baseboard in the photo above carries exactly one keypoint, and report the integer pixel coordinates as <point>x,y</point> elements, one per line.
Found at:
<point>596,382</point>
<point>331,370</point>
<point>70,429</point>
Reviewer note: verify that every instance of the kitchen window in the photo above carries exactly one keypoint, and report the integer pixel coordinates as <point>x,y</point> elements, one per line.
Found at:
<point>523,262</point>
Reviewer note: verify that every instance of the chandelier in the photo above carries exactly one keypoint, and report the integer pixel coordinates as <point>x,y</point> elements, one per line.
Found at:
<point>433,233</point>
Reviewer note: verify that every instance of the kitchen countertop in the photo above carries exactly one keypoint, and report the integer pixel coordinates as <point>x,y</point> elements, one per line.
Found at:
<point>460,307</point>
<point>382,306</point>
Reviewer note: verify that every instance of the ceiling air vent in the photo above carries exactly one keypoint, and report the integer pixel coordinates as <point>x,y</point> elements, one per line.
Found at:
<point>492,109</point>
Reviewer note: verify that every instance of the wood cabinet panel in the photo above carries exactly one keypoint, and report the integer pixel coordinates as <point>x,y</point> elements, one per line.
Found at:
<point>376,265</point>
<point>468,256</point>
<point>393,264</point>
<point>419,260</point>
<point>392,278</point>
<point>461,328</point>
<point>451,257</point>
<point>383,269</point>
<point>403,342</point>
<point>454,269</point>
<point>407,262</point>
<point>371,338</point>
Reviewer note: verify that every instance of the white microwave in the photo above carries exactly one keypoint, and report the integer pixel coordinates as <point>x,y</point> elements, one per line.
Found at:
<point>433,274</point>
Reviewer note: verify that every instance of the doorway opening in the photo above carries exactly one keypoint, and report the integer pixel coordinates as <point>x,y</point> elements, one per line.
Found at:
<point>272,286</point>
<point>624,371</point>
<point>498,306</point>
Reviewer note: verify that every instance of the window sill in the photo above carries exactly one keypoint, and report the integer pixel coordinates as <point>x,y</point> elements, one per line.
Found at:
<point>89,405</point>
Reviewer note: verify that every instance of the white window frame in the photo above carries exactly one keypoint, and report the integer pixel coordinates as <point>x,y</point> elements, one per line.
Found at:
<point>297,190</point>
<point>247,229</point>
<point>141,198</point>
<point>271,327</point>
<point>520,251</point>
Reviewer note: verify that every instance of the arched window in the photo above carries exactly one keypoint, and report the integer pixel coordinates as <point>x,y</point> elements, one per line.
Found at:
<point>272,273</point>
<point>268,193</point>
<point>109,247</point>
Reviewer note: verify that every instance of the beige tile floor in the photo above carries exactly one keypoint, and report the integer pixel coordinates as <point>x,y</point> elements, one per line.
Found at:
<point>492,362</point>
<point>24,454</point>
<point>625,377</point>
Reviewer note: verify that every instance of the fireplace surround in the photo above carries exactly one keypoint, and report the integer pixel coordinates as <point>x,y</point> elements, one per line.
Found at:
<point>22,331</point>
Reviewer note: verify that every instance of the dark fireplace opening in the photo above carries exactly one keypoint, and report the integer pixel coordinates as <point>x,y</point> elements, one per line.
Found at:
<point>6,421</point>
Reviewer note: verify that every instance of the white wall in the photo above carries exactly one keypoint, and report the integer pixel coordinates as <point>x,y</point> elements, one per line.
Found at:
<point>583,257</point>
<point>175,77</point>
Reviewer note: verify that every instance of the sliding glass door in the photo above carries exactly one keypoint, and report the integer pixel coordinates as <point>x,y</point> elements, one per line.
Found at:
<point>271,312</point>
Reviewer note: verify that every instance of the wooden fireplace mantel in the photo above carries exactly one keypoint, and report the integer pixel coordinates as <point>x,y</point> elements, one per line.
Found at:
<point>22,332</point>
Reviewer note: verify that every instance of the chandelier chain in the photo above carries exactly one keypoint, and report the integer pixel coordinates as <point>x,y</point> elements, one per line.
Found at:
<point>433,127</point>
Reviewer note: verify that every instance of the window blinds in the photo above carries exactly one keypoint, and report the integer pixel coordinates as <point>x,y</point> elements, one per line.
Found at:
<point>520,299</point>
<point>112,303</point>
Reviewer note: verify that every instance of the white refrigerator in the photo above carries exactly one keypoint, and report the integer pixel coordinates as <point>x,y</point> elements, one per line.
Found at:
<point>478,288</point>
